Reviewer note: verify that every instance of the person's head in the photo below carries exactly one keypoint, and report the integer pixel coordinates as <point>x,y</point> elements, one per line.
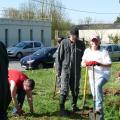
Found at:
<point>95,43</point>
<point>74,35</point>
<point>59,39</point>
<point>28,85</point>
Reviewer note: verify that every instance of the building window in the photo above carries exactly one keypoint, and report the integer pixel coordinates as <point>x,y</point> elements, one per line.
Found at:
<point>6,37</point>
<point>42,36</point>
<point>19,35</point>
<point>31,35</point>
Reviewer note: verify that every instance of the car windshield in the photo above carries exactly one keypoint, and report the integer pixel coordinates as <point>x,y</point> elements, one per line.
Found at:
<point>21,44</point>
<point>42,51</point>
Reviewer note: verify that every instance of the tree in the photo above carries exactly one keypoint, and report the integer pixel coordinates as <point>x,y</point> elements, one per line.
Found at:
<point>114,38</point>
<point>44,9</point>
<point>117,20</point>
<point>11,13</point>
<point>86,20</point>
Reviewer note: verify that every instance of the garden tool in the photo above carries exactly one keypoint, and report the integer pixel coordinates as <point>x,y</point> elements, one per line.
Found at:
<point>92,114</point>
<point>75,71</point>
<point>55,87</point>
<point>85,87</point>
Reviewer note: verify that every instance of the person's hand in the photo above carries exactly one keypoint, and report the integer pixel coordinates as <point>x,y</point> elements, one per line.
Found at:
<point>58,74</point>
<point>92,63</point>
<point>95,63</point>
<point>89,63</point>
<point>83,64</point>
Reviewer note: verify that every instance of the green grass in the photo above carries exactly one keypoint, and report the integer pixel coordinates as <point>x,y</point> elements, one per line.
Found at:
<point>48,109</point>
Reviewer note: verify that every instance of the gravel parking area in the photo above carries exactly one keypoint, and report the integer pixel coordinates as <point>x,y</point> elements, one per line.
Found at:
<point>14,64</point>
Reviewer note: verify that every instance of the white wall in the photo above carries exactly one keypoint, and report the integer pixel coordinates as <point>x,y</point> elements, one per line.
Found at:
<point>25,26</point>
<point>2,34</point>
<point>103,33</point>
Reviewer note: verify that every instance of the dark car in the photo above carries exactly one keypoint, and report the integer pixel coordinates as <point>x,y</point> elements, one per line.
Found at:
<point>39,59</point>
<point>113,49</point>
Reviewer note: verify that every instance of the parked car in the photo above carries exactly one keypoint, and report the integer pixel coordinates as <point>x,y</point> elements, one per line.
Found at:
<point>39,59</point>
<point>113,49</point>
<point>24,48</point>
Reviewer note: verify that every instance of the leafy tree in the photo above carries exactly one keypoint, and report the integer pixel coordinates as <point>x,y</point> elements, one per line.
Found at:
<point>117,20</point>
<point>114,38</point>
<point>44,9</point>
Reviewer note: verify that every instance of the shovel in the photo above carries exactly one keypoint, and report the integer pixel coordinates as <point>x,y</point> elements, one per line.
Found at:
<point>85,88</point>
<point>92,114</point>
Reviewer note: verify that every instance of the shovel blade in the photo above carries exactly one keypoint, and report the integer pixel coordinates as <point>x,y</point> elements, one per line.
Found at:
<point>93,116</point>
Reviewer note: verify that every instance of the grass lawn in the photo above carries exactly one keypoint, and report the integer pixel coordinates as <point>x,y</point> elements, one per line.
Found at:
<point>47,109</point>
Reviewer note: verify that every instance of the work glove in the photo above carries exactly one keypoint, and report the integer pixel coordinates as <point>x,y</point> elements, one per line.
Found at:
<point>92,63</point>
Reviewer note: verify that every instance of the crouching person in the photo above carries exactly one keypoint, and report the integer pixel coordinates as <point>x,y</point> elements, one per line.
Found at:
<point>20,85</point>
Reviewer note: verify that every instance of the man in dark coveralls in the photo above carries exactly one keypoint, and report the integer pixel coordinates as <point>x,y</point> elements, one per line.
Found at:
<point>70,54</point>
<point>4,85</point>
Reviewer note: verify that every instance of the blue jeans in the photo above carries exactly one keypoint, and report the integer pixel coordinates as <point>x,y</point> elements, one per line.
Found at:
<point>99,83</point>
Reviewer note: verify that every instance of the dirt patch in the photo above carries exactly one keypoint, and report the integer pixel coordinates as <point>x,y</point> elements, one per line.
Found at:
<point>111,91</point>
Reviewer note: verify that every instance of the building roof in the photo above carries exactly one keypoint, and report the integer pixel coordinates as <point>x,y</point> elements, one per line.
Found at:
<point>7,21</point>
<point>98,26</point>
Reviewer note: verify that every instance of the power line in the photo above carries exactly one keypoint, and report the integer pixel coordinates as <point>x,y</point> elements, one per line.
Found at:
<point>74,10</point>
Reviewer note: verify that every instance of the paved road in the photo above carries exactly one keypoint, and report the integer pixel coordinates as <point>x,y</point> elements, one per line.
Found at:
<point>14,64</point>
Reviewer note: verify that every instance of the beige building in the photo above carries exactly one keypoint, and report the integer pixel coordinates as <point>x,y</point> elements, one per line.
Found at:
<point>13,31</point>
<point>104,31</point>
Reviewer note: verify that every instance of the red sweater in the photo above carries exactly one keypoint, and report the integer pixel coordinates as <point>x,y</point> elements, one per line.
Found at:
<point>18,77</point>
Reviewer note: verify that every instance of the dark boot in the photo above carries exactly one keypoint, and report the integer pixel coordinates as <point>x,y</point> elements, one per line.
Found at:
<point>63,112</point>
<point>3,115</point>
<point>74,104</point>
<point>75,108</point>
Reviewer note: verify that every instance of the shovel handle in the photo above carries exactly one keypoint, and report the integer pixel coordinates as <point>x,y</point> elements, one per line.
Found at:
<point>54,93</point>
<point>94,97</point>
<point>85,86</point>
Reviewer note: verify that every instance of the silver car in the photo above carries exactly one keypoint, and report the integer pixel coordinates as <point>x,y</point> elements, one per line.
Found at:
<point>113,49</point>
<point>24,48</point>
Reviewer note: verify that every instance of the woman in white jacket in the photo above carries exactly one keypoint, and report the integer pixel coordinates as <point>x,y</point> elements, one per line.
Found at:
<point>98,57</point>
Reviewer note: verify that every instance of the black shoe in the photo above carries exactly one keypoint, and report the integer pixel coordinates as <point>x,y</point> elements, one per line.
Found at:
<point>64,113</point>
<point>75,109</point>
<point>98,112</point>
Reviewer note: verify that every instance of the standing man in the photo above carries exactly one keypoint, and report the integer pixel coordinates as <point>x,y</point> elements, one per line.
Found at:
<point>4,85</point>
<point>20,85</point>
<point>60,38</point>
<point>70,54</point>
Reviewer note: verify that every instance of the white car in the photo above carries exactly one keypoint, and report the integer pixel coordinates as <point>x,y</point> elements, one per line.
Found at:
<point>113,49</point>
<point>24,48</point>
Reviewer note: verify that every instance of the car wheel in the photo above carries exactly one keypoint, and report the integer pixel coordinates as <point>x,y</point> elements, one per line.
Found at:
<point>40,66</point>
<point>19,55</point>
